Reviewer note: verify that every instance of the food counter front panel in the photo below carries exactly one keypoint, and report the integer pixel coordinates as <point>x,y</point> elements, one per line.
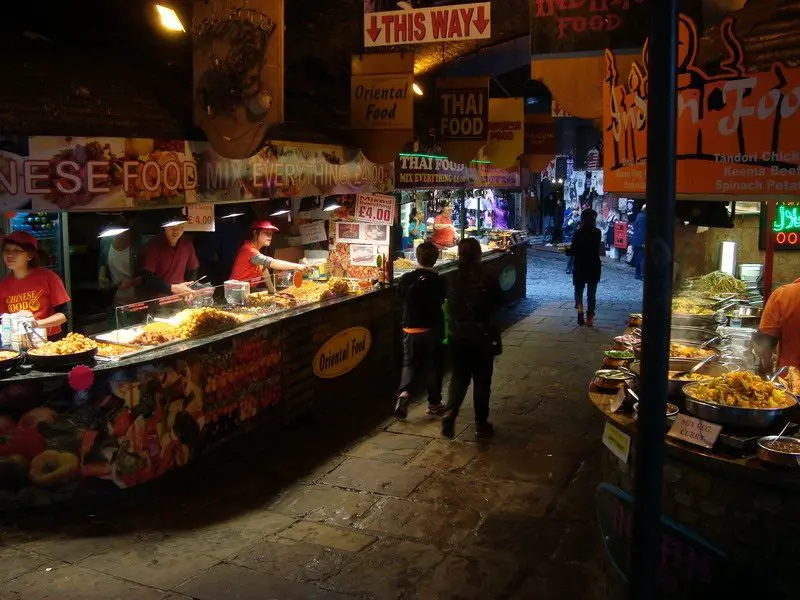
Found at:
<point>122,423</point>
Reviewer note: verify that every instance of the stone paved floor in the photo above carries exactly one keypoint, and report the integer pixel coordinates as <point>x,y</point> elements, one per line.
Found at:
<point>358,505</point>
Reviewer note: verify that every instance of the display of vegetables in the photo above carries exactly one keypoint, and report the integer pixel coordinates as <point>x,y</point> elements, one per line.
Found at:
<point>717,283</point>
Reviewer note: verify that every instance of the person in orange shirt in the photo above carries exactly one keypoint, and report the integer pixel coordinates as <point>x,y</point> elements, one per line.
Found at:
<point>444,232</point>
<point>780,327</point>
<point>252,266</point>
<point>30,289</point>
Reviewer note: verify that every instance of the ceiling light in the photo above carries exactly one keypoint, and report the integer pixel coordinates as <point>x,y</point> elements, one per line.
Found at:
<point>560,181</point>
<point>331,204</point>
<point>232,215</point>
<point>174,223</point>
<point>112,232</point>
<point>279,212</point>
<point>169,18</point>
<point>417,89</point>
<point>552,181</point>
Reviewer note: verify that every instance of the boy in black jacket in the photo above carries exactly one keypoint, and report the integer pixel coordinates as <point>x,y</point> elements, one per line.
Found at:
<point>423,292</point>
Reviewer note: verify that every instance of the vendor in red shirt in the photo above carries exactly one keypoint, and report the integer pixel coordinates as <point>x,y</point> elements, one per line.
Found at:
<point>168,262</point>
<point>444,232</point>
<point>780,328</point>
<point>31,289</point>
<point>252,265</point>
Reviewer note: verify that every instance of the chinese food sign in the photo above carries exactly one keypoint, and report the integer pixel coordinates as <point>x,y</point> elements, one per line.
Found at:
<point>738,131</point>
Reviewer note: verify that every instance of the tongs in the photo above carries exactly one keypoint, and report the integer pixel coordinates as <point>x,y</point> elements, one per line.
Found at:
<point>711,341</point>
<point>29,331</point>
<point>772,378</point>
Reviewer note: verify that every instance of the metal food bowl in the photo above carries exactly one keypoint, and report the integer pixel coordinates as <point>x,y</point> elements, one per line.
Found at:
<point>745,418</point>
<point>777,457</point>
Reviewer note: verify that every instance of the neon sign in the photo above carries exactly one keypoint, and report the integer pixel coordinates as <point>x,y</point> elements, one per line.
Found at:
<point>786,226</point>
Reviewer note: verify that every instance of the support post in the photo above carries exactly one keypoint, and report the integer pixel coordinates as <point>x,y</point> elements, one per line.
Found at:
<point>769,254</point>
<point>660,242</point>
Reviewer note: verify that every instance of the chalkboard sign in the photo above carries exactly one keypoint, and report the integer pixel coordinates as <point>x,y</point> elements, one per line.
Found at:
<point>691,567</point>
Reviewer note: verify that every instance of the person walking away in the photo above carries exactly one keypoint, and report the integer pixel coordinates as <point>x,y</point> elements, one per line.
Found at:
<point>423,292</point>
<point>569,231</point>
<point>639,237</point>
<point>473,340</point>
<point>585,250</point>
<point>780,328</point>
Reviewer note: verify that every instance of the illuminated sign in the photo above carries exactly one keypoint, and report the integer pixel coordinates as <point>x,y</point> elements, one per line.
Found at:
<point>785,228</point>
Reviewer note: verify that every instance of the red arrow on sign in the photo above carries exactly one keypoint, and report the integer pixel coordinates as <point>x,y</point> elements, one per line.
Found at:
<point>374,31</point>
<point>481,23</point>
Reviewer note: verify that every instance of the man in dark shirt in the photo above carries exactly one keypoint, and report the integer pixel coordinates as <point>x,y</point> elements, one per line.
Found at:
<point>168,262</point>
<point>423,292</point>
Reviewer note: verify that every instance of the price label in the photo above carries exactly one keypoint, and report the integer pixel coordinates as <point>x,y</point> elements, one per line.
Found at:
<point>375,208</point>
<point>200,217</point>
<point>618,443</point>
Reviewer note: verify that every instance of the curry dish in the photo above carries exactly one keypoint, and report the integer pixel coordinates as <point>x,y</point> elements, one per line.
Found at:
<point>8,355</point>
<point>690,376</point>
<point>685,351</point>
<point>741,390</point>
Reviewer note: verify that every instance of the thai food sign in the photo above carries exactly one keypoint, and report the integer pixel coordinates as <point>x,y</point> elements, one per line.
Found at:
<point>738,131</point>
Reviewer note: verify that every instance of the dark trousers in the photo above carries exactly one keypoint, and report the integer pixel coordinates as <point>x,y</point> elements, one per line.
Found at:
<point>470,363</point>
<point>591,293</point>
<point>638,260</point>
<point>423,355</point>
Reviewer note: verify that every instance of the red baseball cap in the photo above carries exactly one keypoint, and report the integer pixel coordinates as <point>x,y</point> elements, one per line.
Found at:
<point>263,225</point>
<point>22,238</point>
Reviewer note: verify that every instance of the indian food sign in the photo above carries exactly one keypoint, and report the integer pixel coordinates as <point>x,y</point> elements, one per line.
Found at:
<point>738,131</point>
<point>342,353</point>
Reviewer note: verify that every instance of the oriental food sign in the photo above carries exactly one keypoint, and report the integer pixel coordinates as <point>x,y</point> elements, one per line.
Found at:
<point>738,131</point>
<point>342,353</point>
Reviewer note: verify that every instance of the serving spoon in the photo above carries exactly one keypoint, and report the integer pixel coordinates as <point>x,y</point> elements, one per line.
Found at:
<point>694,369</point>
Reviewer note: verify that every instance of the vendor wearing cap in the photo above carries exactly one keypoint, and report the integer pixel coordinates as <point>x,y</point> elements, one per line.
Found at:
<point>444,232</point>
<point>253,266</point>
<point>780,327</point>
<point>31,289</point>
<point>168,262</point>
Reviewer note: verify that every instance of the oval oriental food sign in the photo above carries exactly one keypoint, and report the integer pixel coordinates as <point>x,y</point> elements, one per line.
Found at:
<point>342,353</point>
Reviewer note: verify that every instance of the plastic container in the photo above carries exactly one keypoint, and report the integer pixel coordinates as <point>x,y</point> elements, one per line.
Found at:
<point>236,292</point>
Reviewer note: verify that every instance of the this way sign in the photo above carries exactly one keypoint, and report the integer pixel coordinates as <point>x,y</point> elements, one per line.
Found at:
<point>428,25</point>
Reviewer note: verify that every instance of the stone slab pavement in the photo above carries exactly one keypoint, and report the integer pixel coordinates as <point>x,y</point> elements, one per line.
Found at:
<point>360,505</point>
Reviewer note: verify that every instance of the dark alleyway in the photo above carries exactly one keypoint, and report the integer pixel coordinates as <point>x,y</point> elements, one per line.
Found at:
<point>361,505</point>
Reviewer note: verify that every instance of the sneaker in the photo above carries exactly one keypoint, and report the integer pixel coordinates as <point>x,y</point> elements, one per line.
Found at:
<point>449,428</point>
<point>590,321</point>
<point>581,322</point>
<point>436,409</point>
<point>484,430</point>
<point>401,408</point>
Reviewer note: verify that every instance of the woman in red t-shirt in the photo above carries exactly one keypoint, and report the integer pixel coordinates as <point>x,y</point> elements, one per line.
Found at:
<point>29,288</point>
<point>444,232</point>
<point>252,266</point>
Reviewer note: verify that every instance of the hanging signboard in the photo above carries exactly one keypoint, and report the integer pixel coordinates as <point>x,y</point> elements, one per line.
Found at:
<point>375,208</point>
<point>425,171</point>
<point>285,170</point>
<point>382,103</point>
<point>417,23</point>
<point>540,141</point>
<point>506,131</point>
<point>738,131</point>
<point>462,117</point>
<point>238,72</point>
<point>84,174</point>
<point>488,175</point>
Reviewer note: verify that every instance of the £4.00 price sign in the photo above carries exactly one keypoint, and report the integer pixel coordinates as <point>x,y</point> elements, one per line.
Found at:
<point>200,217</point>
<point>375,208</point>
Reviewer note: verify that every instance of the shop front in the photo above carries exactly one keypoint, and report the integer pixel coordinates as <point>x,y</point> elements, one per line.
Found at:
<point>444,202</point>
<point>730,486</point>
<point>145,384</point>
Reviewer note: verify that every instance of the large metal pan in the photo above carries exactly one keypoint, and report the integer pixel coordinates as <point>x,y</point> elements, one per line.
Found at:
<point>744,418</point>
<point>701,321</point>
<point>61,361</point>
<point>696,335</point>
<point>676,365</point>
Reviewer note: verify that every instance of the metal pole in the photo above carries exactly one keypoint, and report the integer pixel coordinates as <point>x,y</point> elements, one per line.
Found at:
<point>769,256</point>
<point>661,147</point>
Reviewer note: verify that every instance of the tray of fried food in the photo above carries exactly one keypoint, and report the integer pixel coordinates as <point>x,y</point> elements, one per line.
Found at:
<point>404,264</point>
<point>156,333</point>
<point>338,286</point>
<point>261,299</point>
<point>791,380</point>
<point>109,350</point>
<point>197,322</point>
<point>308,292</point>
<point>71,350</point>
<point>285,300</point>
